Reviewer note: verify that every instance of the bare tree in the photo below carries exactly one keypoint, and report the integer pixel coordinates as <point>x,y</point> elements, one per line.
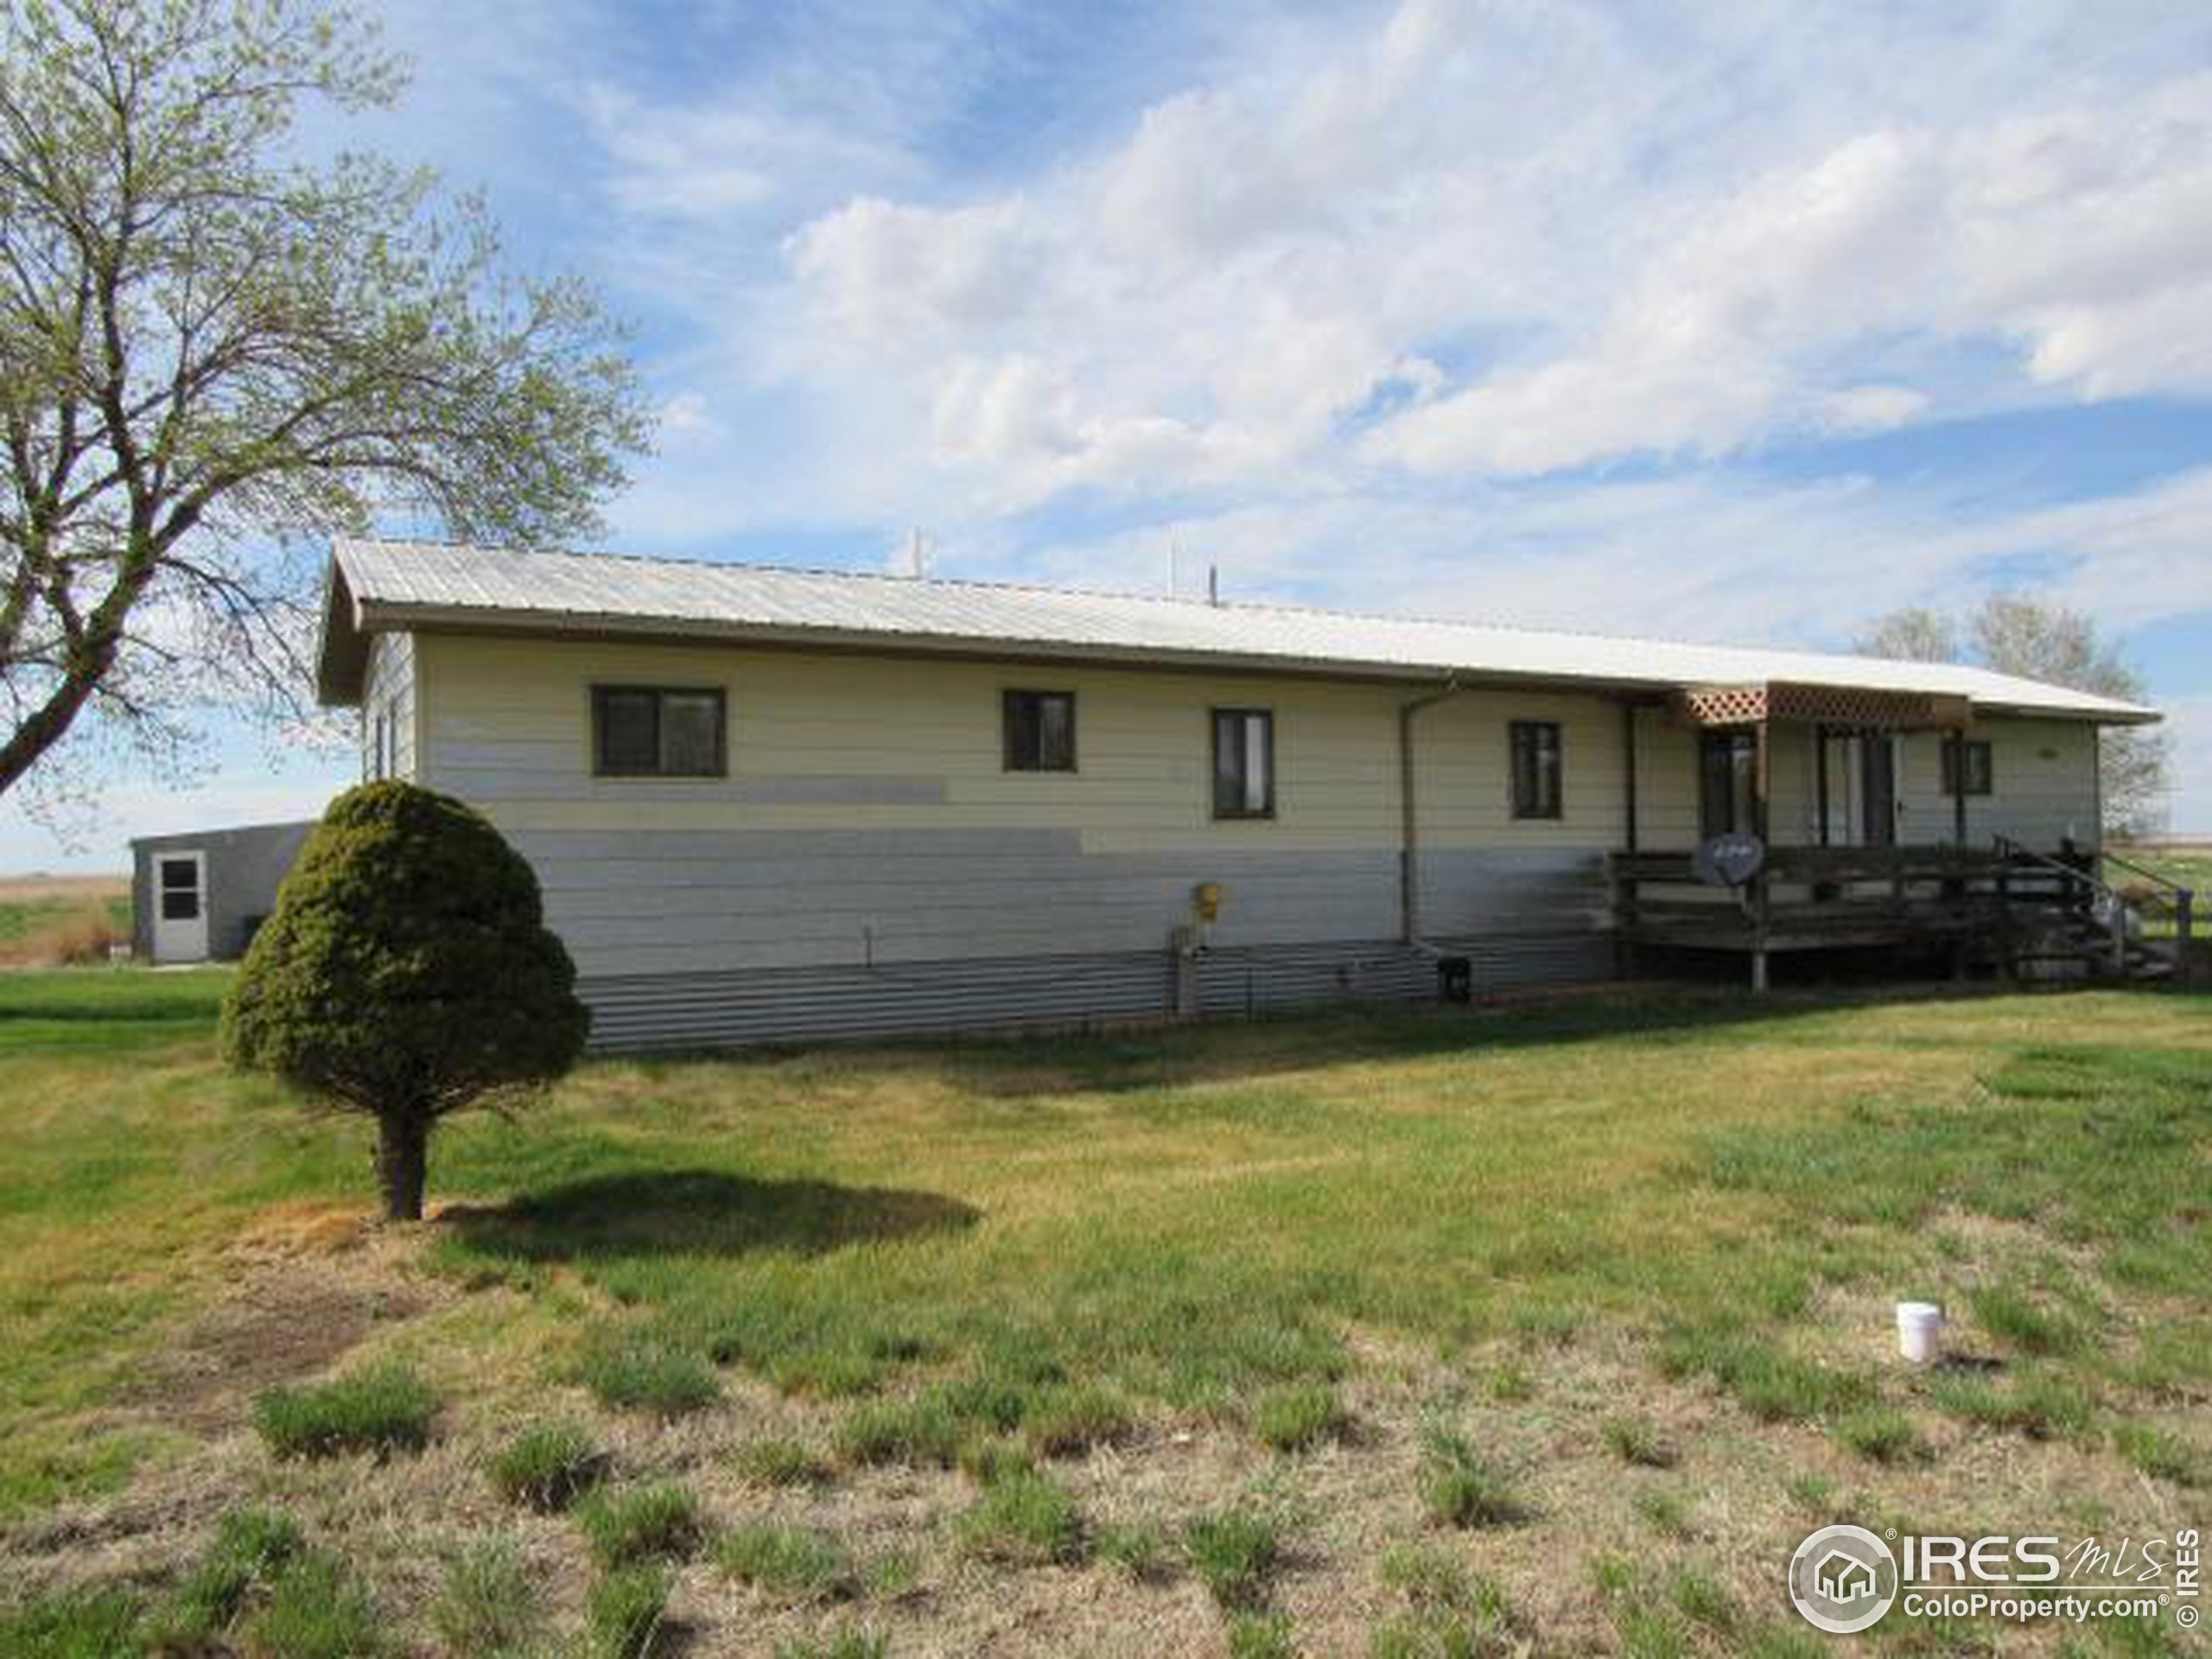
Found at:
<point>2038,640</point>
<point>1914,634</point>
<point>212,350</point>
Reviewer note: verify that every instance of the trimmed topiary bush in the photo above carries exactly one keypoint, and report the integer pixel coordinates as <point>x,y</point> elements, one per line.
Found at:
<point>406,973</point>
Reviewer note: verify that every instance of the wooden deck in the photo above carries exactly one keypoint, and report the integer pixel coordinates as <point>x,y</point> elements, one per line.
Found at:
<point>1991,905</point>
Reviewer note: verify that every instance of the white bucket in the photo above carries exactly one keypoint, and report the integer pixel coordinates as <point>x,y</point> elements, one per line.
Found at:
<point>1920,1330</point>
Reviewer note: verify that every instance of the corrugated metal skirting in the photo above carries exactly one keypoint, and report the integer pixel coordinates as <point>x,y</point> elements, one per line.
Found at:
<point>802,1005</point>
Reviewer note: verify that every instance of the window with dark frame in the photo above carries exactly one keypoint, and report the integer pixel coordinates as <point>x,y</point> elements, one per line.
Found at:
<point>180,889</point>
<point>650,731</point>
<point>1980,764</point>
<point>1535,749</point>
<point>1243,763</point>
<point>1726,765</point>
<point>1040,731</point>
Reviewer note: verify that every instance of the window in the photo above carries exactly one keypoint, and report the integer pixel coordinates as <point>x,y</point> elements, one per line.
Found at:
<point>180,889</point>
<point>1726,761</point>
<point>1040,728</point>
<point>1981,767</point>
<point>656,732</point>
<point>1535,768</point>
<point>1243,763</point>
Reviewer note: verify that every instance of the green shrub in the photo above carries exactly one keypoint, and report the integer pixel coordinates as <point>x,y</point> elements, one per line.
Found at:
<point>81,1624</point>
<point>2011,1315</point>
<point>790,1563</point>
<point>841,1645</point>
<point>2161,1455</point>
<point>1703,1599</point>
<point>487,1608</point>
<point>647,1523</point>
<point>1260,1635</point>
<point>383,1410</point>
<point>1139,1548</point>
<point>250,1549</point>
<point>624,1613</point>
<point>548,1468</point>
<point>1460,1487</point>
<point>1636,1442</point>
<point>2041,1405</point>
<point>1235,1554</point>
<point>406,972</point>
<point>316,1610</point>
<point>1665,1510</point>
<point>1451,1614</point>
<point>629,1370</point>
<point>775,1461</point>
<point>988,1461</point>
<point>1881,1434</point>
<point>1067,1421</point>
<point>1023,1518</point>
<point>1300,1416</point>
<point>923,1432</point>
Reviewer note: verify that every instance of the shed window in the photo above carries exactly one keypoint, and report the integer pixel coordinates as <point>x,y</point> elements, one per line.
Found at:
<point>1726,763</point>
<point>1536,748</point>
<point>1243,763</point>
<point>1979,763</point>
<point>658,732</point>
<point>180,889</point>
<point>1040,731</point>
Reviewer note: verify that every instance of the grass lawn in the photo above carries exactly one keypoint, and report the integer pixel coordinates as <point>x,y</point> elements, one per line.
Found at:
<point>1390,1332</point>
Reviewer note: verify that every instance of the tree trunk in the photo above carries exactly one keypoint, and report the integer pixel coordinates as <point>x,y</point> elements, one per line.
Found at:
<point>403,1162</point>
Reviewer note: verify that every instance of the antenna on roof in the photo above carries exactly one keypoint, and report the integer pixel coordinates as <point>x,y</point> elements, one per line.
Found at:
<point>918,554</point>
<point>1214,584</point>
<point>1174,570</point>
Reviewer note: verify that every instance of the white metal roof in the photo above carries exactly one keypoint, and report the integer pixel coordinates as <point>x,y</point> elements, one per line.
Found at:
<point>382,585</point>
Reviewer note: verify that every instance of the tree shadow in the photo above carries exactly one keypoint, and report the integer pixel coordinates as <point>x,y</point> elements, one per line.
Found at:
<point>698,1212</point>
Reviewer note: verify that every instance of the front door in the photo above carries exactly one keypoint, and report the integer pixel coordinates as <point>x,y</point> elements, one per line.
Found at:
<point>181,906</point>
<point>1859,773</point>
<point>1878,791</point>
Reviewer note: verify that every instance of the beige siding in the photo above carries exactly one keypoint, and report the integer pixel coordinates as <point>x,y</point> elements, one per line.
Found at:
<point>853,742</point>
<point>867,815</point>
<point>389,705</point>
<point>866,820</point>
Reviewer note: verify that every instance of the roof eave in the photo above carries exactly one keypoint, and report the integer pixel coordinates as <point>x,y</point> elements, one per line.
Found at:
<point>341,653</point>
<point>374,616</point>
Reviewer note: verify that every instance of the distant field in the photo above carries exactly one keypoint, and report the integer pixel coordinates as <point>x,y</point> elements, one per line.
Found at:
<point>2187,863</point>
<point>50,919</point>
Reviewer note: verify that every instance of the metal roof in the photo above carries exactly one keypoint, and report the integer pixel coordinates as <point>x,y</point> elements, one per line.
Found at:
<point>377,585</point>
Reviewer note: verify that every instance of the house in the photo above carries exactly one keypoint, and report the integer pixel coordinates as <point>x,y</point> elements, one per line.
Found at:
<point>782,804</point>
<point>1844,1578</point>
<point>199,896</point>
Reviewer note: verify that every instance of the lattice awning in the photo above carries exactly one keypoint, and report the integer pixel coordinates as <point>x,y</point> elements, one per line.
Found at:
<point>1800,704</point>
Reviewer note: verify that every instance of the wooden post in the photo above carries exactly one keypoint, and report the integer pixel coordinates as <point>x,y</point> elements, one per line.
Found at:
<point>2184,918</point>
<point>1958,742</point>
<point>1628,748</point>
<point>1762,824</point>
<point>1821,775</point>
<point>1625,890</point>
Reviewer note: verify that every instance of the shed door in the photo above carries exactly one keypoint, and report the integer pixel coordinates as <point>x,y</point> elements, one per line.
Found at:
<point>181,906</point>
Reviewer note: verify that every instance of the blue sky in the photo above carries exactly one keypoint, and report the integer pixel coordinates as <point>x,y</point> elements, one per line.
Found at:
<point>1728,322</point>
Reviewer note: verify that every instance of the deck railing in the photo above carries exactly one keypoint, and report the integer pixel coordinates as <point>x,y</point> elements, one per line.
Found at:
<point>1808,897</point>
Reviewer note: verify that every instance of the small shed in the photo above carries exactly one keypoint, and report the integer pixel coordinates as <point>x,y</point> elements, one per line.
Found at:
<point>198,897</point>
